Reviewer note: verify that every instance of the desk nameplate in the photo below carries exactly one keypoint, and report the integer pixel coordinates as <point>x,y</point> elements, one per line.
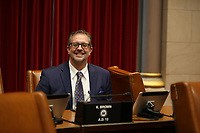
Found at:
<point>103,112</point>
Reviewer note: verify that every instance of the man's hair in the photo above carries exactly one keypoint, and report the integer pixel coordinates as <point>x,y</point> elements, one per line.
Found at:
<point>80,32</point>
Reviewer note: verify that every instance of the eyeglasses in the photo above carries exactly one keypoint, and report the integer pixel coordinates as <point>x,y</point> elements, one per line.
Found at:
<point>83,45</point>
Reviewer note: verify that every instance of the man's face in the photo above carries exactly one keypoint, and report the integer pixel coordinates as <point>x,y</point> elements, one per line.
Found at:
<point>79,53</point>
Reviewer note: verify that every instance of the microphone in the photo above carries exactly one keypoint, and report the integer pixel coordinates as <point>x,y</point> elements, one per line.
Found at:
<point>109,95</point>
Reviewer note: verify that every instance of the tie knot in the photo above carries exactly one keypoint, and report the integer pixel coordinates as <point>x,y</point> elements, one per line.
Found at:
<point>79,74</point>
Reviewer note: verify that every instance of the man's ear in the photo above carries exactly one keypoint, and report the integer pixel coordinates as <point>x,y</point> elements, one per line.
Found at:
<point>68,49</point>
<point>91,49</point>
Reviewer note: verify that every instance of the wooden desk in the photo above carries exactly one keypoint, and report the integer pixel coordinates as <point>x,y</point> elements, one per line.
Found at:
<point>164,125</point>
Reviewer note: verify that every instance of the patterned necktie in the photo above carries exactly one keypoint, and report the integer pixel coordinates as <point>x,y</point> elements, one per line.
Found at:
<point>79,96</point>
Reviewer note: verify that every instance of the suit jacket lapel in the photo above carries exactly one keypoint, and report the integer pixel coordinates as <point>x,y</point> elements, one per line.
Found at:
<point>93,79</point>
<point>65,76</point>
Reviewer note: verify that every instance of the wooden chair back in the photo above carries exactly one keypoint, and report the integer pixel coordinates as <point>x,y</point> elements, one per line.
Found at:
<point>186,105</point>
<point>23,112</point>
<point>32,79</point>
<point>124,81</point>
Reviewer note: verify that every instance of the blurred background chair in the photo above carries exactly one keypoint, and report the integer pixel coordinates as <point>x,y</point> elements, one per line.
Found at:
<point>1,83</point>
<point>124,81</point>
<point>23,112</point>
<point>32,79</point>
<point>186,105</point>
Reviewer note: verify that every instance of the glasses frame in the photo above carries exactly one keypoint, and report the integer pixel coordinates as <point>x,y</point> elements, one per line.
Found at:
<point>83,45</point>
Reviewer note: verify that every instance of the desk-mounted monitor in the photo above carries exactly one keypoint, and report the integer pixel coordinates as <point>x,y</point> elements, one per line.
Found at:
<point>149,100</point>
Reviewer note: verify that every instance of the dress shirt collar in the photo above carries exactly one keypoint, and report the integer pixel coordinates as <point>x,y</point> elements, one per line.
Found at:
<point>73,70</point>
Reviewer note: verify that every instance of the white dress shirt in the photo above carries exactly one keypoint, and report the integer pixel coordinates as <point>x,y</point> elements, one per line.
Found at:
<point>85,82</point>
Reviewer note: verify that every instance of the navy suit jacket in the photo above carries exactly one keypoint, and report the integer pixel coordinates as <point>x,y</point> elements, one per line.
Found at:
<point>56,80</point>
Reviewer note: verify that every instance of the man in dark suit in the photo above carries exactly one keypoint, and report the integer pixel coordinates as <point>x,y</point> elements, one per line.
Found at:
<point>62,79</point>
